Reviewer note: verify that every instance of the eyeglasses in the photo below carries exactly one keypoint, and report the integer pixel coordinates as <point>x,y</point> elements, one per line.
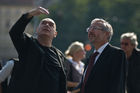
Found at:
<point>123,43</point>
<point>94,28</point>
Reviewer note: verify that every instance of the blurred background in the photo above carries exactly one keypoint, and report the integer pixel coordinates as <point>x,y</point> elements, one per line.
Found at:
<point>72,17</point>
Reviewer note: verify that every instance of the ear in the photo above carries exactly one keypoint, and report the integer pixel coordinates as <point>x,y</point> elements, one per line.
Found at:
<point>55,33</point>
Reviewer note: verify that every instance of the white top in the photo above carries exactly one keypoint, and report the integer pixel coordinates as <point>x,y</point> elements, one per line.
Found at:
<point>6,70</point>
<point>79,67</point>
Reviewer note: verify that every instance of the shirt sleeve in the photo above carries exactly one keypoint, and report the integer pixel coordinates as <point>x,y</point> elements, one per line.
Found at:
<point>6,70</point>
<point>17,34</point>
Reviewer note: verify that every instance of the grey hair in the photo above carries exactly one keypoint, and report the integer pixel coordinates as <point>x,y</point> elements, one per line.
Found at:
<point>105,26</point>
<point>131,36</point>
<point>74,47</point>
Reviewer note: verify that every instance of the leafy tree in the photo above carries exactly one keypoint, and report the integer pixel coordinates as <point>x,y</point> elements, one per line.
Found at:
<point>74,16</point>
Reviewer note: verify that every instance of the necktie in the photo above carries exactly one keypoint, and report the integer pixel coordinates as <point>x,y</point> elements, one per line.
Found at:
<point>90,65</point>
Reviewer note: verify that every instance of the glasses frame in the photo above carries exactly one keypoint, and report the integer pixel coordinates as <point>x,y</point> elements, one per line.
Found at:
<point>124,43</point>
<point>94,28</point>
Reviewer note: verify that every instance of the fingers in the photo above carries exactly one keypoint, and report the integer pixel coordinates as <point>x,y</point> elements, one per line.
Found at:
<point>43,10</point>
<point>37,11</point>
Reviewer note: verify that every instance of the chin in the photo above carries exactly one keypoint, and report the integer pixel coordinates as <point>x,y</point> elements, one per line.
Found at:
<point>91,41</point>
<point>44,35</point>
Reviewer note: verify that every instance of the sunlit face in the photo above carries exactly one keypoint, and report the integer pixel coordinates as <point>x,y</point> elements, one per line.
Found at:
<point>80,54</point>
<point>47,28</point>
<point>127,46</point>
<point>96,34</point>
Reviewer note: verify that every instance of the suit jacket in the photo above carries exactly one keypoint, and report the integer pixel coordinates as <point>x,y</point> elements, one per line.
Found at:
<point>133,77</point>
<point>109,73</point>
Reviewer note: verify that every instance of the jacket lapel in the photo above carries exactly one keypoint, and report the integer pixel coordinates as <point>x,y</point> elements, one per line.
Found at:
<point>99,61</point>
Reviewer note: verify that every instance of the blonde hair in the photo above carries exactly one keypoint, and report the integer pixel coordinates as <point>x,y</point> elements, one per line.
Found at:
<point>74,47</point>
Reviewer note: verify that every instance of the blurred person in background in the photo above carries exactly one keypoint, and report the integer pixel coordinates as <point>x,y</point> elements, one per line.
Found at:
<point>129,43</point>
<point>6,73</point>
<point>74,54</point>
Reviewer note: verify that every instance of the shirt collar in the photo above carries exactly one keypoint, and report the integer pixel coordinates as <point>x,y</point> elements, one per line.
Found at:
<point>100,50</point>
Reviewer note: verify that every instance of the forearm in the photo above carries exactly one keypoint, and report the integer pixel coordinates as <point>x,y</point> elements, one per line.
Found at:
<point>16,32</point>
<point>19,27</point>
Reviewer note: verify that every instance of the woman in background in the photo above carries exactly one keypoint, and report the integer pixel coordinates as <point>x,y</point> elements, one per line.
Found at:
<point>75,67</point>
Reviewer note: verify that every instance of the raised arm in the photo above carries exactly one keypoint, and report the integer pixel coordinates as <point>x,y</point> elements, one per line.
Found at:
<point>37,11</point>
<point>17,31</point>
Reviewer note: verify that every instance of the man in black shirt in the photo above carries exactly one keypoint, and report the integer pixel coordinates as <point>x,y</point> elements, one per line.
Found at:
<point>41,64</point>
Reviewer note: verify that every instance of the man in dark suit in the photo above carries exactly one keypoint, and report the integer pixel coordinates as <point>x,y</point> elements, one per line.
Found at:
<point>108,72</point>
<point>129,44</point>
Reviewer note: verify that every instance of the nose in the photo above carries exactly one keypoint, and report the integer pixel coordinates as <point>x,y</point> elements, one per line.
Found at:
<point>122,46</point>
<point>88,29</point>
<point>47,24</point>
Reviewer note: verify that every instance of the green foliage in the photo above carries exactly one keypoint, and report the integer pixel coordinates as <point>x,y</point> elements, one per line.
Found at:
<point>74,16</point>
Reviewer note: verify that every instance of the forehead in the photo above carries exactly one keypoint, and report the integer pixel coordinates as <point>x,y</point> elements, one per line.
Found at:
<point>48,20</point>
<point>126,40</point>
<point>97,24</point>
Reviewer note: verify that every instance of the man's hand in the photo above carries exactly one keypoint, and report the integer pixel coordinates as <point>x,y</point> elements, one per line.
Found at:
<point>37,11</point>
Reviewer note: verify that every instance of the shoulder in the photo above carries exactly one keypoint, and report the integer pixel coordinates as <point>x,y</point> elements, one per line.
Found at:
<point>59,52</point>
<point>115,50</point>
<point>82,64</point>
<point>136,51</point>
<point>28,37</point>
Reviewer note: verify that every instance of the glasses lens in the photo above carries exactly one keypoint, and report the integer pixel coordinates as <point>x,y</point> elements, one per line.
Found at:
<point>93,28</point>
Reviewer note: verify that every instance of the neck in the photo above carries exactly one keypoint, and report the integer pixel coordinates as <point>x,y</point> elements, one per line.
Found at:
<point>128,55</point>
<point>76,60</point>
<point>45,42</point>
<point>98,45</point>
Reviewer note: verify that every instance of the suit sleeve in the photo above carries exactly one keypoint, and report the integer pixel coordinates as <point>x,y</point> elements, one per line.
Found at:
<point>17,34</point>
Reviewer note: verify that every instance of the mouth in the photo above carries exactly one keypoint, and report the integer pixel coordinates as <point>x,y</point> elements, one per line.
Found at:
<point>91,35</point>
<point>45,29</point>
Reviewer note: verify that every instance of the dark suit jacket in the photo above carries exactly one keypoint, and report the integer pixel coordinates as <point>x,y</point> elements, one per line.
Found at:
<point>133,78</point>
<point>109,73</point>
